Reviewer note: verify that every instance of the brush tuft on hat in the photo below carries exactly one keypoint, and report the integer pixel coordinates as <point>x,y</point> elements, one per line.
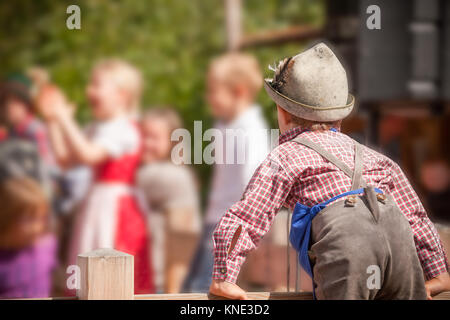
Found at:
<point>312,85</point>
<point>281,73</point>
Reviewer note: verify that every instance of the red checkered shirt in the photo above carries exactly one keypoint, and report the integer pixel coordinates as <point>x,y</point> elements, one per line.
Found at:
<point>293,173</point>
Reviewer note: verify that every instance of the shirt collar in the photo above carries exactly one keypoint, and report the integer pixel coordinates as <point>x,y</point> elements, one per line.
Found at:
<point>291,134</point>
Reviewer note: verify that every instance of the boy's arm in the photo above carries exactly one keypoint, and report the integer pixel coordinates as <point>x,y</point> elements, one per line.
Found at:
<point>246,222</point>
<point>428,244</point>
<point>437,285</point>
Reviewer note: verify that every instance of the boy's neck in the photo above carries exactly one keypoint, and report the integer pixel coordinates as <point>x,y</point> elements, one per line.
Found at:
<point>301,128</point>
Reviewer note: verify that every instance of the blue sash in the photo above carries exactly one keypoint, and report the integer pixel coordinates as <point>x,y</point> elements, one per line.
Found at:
<point>301,227</point>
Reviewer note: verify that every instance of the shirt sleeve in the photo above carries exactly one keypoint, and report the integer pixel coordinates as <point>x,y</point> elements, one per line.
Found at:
<point>262,199</point>
<point>428,244</point>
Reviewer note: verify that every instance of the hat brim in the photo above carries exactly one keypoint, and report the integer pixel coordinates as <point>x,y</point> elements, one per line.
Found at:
<point>304,111</point>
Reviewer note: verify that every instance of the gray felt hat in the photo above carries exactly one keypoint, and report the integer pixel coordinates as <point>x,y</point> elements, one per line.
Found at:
<point>312,85</point>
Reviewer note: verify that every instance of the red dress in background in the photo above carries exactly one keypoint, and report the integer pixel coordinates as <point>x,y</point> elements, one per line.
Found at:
<point>111,216</point>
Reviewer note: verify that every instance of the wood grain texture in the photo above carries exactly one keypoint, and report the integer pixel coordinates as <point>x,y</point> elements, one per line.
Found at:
<point>252,295</point>
<point>106,274</point>
<point>442,296</point>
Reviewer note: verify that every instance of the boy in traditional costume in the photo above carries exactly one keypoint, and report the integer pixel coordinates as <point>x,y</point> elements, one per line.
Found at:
<point>354,209</point>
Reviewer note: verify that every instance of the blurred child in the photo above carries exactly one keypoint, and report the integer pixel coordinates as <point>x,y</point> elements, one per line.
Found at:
<point>110,217</point>
<point>27,249</point>
<point>233,82</point>
<point>17,113</point>
<point>172,195</point>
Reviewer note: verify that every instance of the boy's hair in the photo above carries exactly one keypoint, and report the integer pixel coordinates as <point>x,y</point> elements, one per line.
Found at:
<point>126,77</point>
<point>19,196</point>
<point>239,68</point>
<point>166,113</point>
<point>315,125</point>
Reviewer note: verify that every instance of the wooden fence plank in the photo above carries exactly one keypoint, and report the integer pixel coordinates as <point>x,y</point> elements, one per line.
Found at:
<point>442,296</point>
<point>205,296</point>
<point>106,274</point>
<point>251,295</point>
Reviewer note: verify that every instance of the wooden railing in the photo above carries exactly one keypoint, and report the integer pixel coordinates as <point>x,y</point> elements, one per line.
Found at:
<point>109,274</point>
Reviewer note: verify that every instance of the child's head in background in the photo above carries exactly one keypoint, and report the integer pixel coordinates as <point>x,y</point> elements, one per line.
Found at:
<point>24,213</point>
<point>233,82</point>
<point>157,127</point>
<point>115,89</point>
<point>15,101</point>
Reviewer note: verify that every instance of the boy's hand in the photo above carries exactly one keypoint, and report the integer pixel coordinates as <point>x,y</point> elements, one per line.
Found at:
<point>227,289</point>
<point>437,285</point>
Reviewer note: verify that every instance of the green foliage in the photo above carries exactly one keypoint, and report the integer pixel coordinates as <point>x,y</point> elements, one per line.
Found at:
<point>171,41</point>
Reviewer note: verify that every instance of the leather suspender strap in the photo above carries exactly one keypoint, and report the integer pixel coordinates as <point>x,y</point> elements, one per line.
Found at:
<point>355,175</point>
<point>357,180</point>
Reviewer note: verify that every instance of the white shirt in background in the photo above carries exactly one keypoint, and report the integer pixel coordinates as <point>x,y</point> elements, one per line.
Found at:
<point>230,180</point>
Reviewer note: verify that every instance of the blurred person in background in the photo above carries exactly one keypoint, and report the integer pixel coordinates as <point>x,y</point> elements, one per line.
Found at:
<point>435,176</point>
<point>3,132</point>
<point>18,114</point>
<point>110,216</point>
<point>27,247</point>
<point>171,193</point>
<point>233,82</point>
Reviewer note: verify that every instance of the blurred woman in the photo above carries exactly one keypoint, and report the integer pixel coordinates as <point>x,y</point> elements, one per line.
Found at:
<point>171,193</point>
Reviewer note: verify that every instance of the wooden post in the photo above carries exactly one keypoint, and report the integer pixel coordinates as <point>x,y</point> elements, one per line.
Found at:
<point>233,23</point>
<point>106,274</point>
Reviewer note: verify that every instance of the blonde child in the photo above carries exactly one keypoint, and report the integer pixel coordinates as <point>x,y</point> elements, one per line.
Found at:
<point>110,217</point>
<point>172,195</point>
<point>233,82</point>
<point>27,248</point>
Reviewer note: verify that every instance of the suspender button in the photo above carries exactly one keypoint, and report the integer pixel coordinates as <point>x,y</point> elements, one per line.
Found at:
<point>350,201</point>
<point>381,197</point>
